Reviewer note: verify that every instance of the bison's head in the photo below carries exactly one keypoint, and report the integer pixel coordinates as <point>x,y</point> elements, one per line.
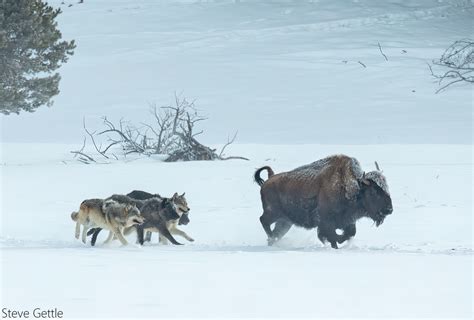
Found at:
<point>375,196</point>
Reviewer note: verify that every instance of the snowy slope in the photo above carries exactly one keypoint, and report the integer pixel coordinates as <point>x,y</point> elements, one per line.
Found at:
<point>278,72</point>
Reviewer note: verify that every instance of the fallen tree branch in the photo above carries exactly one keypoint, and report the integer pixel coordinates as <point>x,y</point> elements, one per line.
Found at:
<point>172,133</point>
<point>380,48</point>
<point>456,63</point>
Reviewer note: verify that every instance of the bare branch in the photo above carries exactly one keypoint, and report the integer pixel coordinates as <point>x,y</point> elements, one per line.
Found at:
<point>233,157</point>
<point>229,142</point>
<point>91,136</point>
<point>458,59</point>
<point>172,132</point>
<point>380,48</point>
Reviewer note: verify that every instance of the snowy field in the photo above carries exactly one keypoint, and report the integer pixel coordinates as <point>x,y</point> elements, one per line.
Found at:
<point>286,75</point>
<point>276,71</point>
<point>417,264</point>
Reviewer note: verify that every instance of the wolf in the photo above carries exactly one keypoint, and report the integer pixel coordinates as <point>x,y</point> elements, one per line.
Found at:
<point>172,225</point>
<point>81,217</point>
<point>182,208</point>
<point>142,195</point>
<point>119,198</point>
<point>158,215</point>
<point>106,214</point>
<point>163,212</point>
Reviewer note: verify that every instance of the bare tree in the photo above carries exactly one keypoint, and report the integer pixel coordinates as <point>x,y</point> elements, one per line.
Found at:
<point>456,63</point>
<point>173,133</point>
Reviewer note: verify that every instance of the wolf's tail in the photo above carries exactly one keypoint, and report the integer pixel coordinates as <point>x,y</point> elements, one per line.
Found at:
<point>259,179</point>
<point>84,206</point>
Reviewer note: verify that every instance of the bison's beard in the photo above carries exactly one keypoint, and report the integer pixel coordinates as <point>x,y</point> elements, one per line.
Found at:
<point>378,219</point>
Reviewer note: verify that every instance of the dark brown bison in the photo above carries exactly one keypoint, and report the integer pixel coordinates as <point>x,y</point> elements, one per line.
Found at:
<point>331,193</point>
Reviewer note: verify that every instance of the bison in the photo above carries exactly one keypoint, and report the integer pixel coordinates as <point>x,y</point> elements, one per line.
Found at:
<point>330,194</point>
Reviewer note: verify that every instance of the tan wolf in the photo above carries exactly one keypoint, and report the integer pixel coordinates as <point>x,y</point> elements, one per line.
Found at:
<point>109,215</point>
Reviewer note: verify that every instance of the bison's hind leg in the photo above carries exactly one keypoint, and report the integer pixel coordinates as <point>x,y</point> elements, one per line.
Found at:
<point>282,226</point>
<point>267,219</point>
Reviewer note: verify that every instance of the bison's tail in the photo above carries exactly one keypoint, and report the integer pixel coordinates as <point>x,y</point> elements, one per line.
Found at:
<point>259,179</point>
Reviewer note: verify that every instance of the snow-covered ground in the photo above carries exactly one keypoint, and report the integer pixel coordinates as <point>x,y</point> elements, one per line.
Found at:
<point>417,264</point>
<point>286,75</point>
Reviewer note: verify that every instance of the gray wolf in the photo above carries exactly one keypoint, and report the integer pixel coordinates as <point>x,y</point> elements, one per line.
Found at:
<point>157,216</point>
<point>179,201</point>
<point>142,195</point>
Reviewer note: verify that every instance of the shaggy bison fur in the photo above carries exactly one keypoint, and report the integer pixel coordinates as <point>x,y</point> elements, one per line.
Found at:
<point>330,194</point>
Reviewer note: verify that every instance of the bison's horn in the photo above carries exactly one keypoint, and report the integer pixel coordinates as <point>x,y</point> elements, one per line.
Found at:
<point>364,180</point>
<point>377,166</point>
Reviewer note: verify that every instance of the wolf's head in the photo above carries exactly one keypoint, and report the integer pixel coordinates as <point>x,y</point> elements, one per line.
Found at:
<point>125,214</point>
<point>180,202</point>
<point>182,208</point>
<point>133,215</point>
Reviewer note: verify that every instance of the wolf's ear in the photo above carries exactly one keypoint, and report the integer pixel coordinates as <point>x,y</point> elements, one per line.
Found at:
<point>175,195</point>
<point>128,207</point>
<point>183,194</point>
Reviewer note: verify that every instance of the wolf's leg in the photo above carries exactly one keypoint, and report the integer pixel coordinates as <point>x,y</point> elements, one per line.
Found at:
<point>166,233</point>
<point>84,233</point>
<point>140,235</point>
<point>181,233</point>
<point>109,237</point>
<point>94,236</point>
<point>126,231</point>
<point>120,236</point>
<point>163,240</point>
<point>148,236</point>
<point>78,230</point>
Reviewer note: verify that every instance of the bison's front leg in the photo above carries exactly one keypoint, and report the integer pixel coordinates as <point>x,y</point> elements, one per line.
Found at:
<point>349,232</point>
<point>328,232</point>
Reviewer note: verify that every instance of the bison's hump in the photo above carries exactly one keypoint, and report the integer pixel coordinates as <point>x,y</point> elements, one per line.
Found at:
<point>338,172</point>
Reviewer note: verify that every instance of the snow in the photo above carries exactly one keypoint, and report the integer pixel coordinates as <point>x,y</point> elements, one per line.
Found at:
<point>286,75</point>
<point>417,264</point>
<point>278,72</point>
